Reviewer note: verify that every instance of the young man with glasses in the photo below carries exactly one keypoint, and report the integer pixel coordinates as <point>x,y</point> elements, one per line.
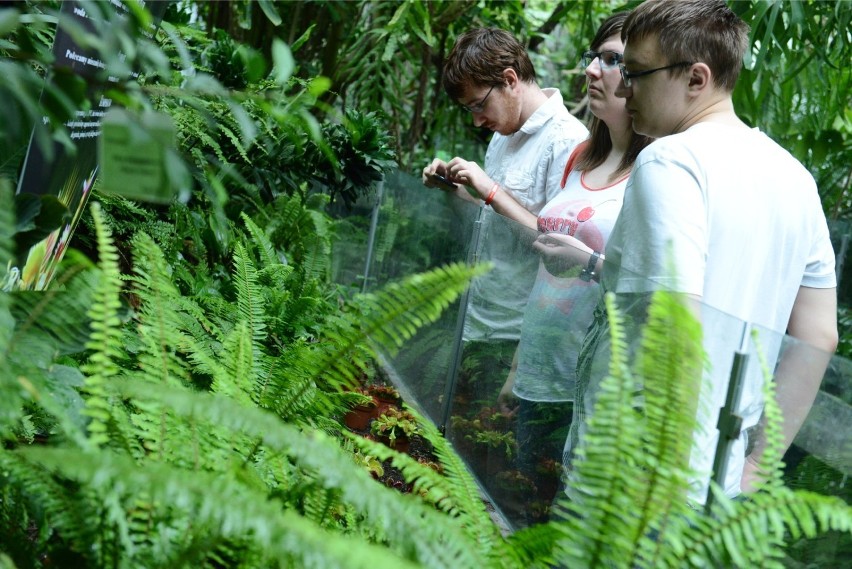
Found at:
<point>489,73</point>
<point>717,210</point>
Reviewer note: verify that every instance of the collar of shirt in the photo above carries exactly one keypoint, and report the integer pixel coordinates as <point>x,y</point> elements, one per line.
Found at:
<point>545,112</point>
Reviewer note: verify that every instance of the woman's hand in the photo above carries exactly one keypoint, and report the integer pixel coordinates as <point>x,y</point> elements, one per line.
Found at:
<point>561,252</point>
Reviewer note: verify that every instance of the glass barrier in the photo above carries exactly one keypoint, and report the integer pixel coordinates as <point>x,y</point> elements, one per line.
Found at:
<point>497,372</point>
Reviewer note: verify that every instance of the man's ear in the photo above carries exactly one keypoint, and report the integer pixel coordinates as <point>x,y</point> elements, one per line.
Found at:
<point>700,77</point>
<point>511,77</point>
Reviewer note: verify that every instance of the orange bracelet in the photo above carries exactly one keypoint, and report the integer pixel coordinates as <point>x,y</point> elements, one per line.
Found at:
<point>491,194</point>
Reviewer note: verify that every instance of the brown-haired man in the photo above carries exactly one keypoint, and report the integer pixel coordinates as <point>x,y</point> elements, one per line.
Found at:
<point>490,74</point>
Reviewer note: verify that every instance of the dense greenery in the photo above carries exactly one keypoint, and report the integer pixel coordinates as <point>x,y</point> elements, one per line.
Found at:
<point>176,400</point>
<point>387,55</point>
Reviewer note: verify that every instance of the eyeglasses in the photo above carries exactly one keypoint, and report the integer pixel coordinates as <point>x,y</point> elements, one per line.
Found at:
<point>480,106</point>
<point>627,76</point>
<point>608,59</point>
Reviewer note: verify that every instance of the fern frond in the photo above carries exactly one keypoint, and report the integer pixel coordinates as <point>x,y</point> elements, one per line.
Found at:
<point>265,250</point>
<point>392,316</point>
<point>238,362</point>
<point>752,533</point>
<point>464,494</point>
<point>607,476</point>
<point>315,261</point>
<point>773,447</point>
<point>55,321</point>
<point>230,510</point>
<point>10,393</point>
<point>454,492</point>
<point>533,546</point>
<point>158,326</point>
<point>670,369</point>
<point>287,389</point>
<point>410,527</point>
<point>304,233</point>
<point>387,318</point>
<point>105,338</point>
<point>235,140</point>
<point>250,301</point>
<point>68,512</point>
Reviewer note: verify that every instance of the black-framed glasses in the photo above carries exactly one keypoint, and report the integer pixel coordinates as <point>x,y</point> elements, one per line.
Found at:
<point>608,59</point>
<point>628,76</point>
<point>480,106</point>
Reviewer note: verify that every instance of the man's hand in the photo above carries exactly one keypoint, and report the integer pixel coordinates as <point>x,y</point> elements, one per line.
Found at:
<point>752,477</point>
<point>437,166</point>
<point>470,174</point>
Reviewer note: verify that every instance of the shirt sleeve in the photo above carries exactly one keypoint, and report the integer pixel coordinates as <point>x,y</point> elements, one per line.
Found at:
<point>820,269</point>
<point>665,230</point>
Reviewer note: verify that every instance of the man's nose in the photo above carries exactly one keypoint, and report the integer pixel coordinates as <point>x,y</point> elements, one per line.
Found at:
<point>622,91</point>
<point>478,119</point>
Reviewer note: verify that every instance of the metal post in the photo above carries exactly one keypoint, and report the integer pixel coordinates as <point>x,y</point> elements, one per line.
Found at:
<point>455,362</point>
<point>374,223</point>
<point>730,424</point>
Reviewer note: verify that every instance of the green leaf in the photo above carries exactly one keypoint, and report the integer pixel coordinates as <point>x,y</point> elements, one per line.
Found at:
<point>255,64</point>
<point>271,12</point>
<point>27,207</point>
<point>47,216</point>
<point>8,21</point>
<point>400,12</point>
<point>282,60</point>
<point>303,38</point>
<point>319,85</point>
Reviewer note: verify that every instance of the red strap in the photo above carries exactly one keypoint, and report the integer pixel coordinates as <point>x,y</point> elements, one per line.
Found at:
<point>571,159</point>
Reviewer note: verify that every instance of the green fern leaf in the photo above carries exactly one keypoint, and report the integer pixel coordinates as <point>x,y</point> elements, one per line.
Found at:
<point>232,510</point>
<point>264,247</point>
<point>105,339</point>
<point>602,518</point>
<point>411,528</point>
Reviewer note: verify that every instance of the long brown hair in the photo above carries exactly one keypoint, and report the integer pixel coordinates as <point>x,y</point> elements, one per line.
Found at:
<point>600,143</point>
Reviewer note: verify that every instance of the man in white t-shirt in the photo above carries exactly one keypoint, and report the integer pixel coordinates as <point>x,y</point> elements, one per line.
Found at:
<point>490,74</point>
<point>737,217</point>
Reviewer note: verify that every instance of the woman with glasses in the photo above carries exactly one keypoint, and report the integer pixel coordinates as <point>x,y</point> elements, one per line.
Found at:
<point>540,389</point>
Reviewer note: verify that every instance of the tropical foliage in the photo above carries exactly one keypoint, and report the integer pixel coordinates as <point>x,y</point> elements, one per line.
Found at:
<point>178,401</point>
<point>388,55</point>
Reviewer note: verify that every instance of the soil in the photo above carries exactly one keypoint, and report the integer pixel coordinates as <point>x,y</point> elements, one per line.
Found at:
<point>419,449</point>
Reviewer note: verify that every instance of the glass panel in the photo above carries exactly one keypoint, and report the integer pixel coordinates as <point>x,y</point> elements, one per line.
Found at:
<point>820,456</point>
<point>455,370</point>
<point>422,228</point>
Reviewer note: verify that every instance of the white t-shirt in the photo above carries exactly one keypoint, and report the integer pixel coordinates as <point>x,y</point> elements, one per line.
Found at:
<point>560,310</point>
<point>529,165</point>
<point>741,222</point>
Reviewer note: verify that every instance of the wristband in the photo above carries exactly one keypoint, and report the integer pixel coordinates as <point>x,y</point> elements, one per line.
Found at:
<point>589,271</point>
<point>491,194</point>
